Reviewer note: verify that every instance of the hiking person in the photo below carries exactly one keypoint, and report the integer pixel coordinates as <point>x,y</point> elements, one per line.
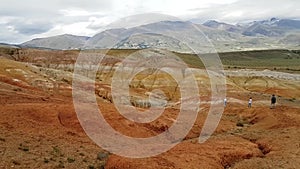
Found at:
<point>273,101</point>
<point>250,102</point>
<point>225,102</point>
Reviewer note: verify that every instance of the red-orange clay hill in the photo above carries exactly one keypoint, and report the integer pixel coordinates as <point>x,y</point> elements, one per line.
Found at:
<point>39,126</point>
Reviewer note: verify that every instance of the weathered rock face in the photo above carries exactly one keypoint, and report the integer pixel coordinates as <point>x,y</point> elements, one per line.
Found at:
<point>146,103</point>
<point>105,94</point>
<point>133,100</point>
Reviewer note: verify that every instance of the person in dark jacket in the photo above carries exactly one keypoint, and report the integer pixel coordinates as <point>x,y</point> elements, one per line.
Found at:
<point>273,101</point>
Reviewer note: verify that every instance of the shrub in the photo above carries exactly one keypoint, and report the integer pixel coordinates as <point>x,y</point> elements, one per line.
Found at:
<point>23,147</point>
<point>70,160</point>
<point>46,160</point>
<point>102,156</point>
<point>15,162</point>
<point>91,167</point>
<point>61,164</point>
<point>240,124</point>
<point>56,151</point>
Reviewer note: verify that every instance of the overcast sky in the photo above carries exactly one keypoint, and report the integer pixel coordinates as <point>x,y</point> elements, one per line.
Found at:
<point>22,20</point>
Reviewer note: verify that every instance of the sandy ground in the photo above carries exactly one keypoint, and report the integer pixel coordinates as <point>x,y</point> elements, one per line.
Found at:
<point>40,129</point>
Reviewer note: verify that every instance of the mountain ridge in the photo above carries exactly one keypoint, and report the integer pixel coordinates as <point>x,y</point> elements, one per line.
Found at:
<point>272,33</point>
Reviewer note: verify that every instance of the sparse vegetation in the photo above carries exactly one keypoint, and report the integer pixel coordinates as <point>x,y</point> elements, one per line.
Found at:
<point>261,59</point>
<point>102,155</point>
<point>46,160</point>
<point>85,160</point>
<point>61,164</point>
<point>71,160</point>
<point>23,147</point>
<point>240,124</point>
<point>292,99</point>
<point>56,152</point>
<point>15,162</point>
<point>91,167</point>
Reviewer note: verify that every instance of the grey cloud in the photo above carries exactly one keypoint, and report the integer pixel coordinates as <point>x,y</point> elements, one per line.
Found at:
<point>10,37</point>
<point>26,26</point>
<point>36,17</point>
<point>91,5</point>
<point>50,11</point>
<point>32,29</point>
<point>252,10</point>
<point>15,37</point>
<point>46,8</point>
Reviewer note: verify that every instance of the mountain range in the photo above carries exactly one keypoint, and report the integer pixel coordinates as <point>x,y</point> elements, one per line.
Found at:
<point>266,34</point>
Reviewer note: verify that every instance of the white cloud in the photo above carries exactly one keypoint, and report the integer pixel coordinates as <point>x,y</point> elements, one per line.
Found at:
<point>244,10</point>
<point>234,14</point>
<point>36,18</point>
<point>75,12</point>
